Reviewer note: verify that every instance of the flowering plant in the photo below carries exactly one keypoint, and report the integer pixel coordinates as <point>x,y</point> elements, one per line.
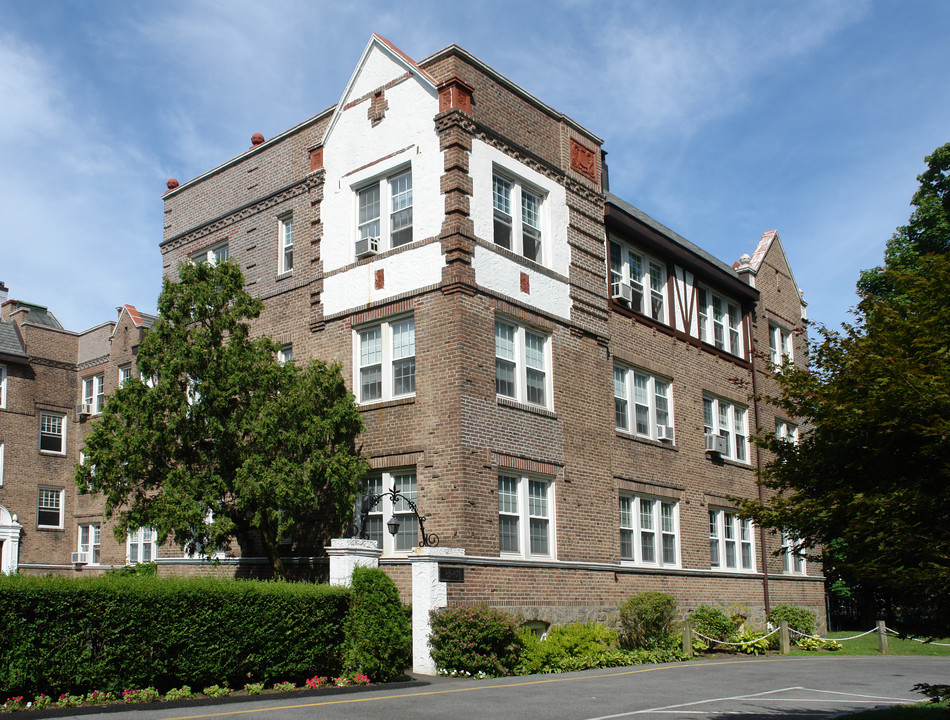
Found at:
<point>216,691</point>
<point>13,704</point>
<point>100,698</point>
<point>285,686</point>
<point>254,688</point>
<point>42,701</point>
<point>318,681</point>
<point>182,693</point>
<point>149,694</point>
<point>67,701</point>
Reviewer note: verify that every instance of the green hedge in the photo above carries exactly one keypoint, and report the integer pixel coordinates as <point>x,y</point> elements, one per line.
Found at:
<point>65,635</point>
<point>378,628</point>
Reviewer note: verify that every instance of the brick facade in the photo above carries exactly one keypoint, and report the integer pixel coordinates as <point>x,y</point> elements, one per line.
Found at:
<point>466,136</point>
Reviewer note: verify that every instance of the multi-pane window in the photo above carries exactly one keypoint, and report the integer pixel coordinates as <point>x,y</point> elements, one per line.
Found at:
<point>643,403</point>
<point>213,255</point>
<point>125,372</point>
<point>793,560</point>
<point>386,360</point>
<point>285,354</point>
<point>730,541</point>
<point>3,386</point>
<point>727,420</point>
<point>521,364</point>
<point>142,546</point>
<point>404,483</point>
<point>285,232</point>
<point>49,507</point>
<point>787,431</point>
<point>89,536</point>
<point>780,344</point>
<point>93,392</point>
<point>649,531</point>
<point>384,211</point>
<point>52,432</point>
<point>720,321</point>
<point>525,516</point>
<point>638,281</point>
<point>516,211</point>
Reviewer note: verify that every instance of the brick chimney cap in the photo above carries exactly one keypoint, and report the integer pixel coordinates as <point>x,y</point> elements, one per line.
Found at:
<point>171,184</point>
<point>256,139</point>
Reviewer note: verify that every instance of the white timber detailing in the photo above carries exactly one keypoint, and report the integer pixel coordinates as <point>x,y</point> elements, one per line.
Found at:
<point>10,531</point>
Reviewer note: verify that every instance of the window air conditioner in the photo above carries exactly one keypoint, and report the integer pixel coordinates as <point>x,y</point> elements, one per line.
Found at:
<point>664,433</point>
<point>717,444</point>
<point>622,291</point>
<point>80,558</point>
<point>367,246</point>
<point>84,409</point>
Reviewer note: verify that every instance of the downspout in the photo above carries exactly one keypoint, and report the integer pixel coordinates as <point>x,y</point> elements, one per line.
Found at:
<point>758,470</point>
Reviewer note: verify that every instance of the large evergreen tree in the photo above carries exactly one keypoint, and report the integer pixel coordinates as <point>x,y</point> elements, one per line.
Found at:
<point>219,440</point>
<point>869,481</point>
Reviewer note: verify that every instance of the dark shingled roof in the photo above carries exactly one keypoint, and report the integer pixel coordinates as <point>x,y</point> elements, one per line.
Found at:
<point>10,340</point>
<point>38,315</point>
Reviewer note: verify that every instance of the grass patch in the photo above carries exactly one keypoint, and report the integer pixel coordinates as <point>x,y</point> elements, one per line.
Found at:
<point>867,645</point>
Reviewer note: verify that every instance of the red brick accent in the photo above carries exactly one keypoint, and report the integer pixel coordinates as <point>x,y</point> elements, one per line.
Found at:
<point>525,284</point>
<point>378,107</point>
<point>455,94</point>
<point>582,160</point>
<point>380,279</point>
<point>316,158</point>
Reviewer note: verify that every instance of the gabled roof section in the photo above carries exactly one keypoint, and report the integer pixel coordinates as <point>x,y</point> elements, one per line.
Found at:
<point>769,239</point>
<point>11,344</point>
<point>140,320</point>
<point>689,254</point>
<point>380,44</point>
<point>35,314</point>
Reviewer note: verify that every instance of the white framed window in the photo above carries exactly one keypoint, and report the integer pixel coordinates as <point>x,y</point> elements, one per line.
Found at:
<point>727,420</point>
<point>404,483</point>
<point>649,531</point>
<point>384,211</point>
<point>285,244</point>
<point>53,433</point>
<point>89,542</point>
<point>720,321</point>
<point>517,219</point>
<point>49,507</point>
<point>793,560</point>
<point>125,372</point>
<point>3,386</point>
<point>386,360</point>
<point>522,359</point>
<point>285,354</point>
<point>141,546</point>
<point>638,281</point>
<point>93,392</point>
<point>731,544</point>
<point>780,344</point>
<point>213,255</point>
<point>525,516</point>
<point>643,403</point>
<point>784,430</point>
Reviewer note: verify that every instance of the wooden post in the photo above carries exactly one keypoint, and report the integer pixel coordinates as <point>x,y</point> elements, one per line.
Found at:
<point>687,639</point>
<point>784,646</point>
<point>881,637</point>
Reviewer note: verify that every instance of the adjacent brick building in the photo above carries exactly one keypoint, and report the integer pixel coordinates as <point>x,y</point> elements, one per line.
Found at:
<point>561,382</point>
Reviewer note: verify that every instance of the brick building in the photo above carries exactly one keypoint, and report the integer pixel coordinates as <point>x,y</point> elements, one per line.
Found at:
<point>53,382</point>
<point>561,382</point>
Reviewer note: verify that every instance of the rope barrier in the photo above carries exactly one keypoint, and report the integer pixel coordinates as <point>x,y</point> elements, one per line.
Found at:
<point>738,644</point>
<point>816,637</point>
<point>917,639</point>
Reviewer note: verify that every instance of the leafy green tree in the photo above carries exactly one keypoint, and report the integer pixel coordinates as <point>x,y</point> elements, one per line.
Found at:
<point>927,232</point>
<point>870,476</point>
<point>219,441</point>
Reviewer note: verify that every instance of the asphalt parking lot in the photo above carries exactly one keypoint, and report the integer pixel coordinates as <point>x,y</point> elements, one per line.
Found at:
<point>772,687</point>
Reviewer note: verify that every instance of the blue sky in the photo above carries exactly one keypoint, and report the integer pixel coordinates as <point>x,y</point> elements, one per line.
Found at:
<point>721,119</point>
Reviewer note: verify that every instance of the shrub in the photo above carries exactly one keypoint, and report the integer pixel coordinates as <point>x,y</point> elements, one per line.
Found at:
<point>712,622</point>
<point>647,621</point>
<point>577,646</point>
<point>474,640</point>
<point>149,694</point>
<point>285,686</point>
<point>42,701</point>
<point>68,701</point>
<point>807,643</point>
<point>100,698</point>
<point>377,628</point>
<point>182,693</point>
<point>797,618</point>
<point>254,688</point>
<point>755,642</point>
<point>201,631</point>
<point>216,691</point>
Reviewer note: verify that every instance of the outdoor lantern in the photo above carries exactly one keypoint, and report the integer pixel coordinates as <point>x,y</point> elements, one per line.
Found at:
<point>393,525</point>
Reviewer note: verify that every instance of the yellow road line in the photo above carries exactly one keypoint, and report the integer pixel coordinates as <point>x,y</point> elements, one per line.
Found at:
<point>473,688</point>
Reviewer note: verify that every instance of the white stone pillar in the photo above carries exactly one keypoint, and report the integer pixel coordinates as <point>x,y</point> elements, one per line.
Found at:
<point>427,594</point>
<point>9,541</point>
<point>349,553</point>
